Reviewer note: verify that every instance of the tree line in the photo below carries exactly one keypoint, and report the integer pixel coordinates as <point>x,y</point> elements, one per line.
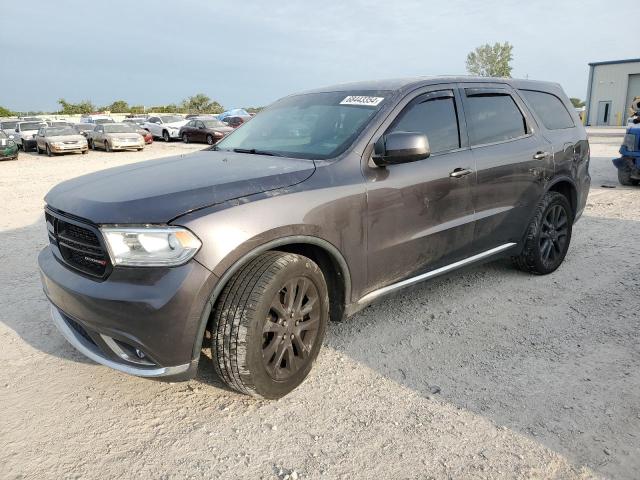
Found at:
<point>485,61</point>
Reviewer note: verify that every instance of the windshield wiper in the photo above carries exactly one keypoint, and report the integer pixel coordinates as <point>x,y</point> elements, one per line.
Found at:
<point>253,151</point>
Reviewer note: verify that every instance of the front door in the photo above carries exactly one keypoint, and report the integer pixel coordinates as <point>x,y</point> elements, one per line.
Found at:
<point>420,217</point>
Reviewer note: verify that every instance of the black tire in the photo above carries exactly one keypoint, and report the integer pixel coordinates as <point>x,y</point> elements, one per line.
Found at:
<point>546,244</point>
<point>48,150</point>
<point>210,140</point>
<point>84,152</point>
<point>185,138</point>
<point>107,147</point>
<point>38,151</point>
<point>92,145</point>
<point>250,315</point>
<point>624,177</point>
<point>165,136</point>
<point>25,147</point>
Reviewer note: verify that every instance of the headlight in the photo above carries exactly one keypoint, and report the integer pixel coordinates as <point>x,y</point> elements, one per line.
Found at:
<point>150,246</point>
<point>56,144</point>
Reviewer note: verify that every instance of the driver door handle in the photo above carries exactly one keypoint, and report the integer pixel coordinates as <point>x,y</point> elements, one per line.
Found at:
<point>541,155</point>
<point>460,172</point>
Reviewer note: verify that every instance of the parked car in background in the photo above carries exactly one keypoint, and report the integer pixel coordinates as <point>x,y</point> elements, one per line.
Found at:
<point>84,128</point>
<point>135,120</point>
<point>63,139</point>
<point>166,127</point>
<point>25,134</point>
<point>58,123</point>
<point>236,121</point>
<point>146,134</point>
<point>204,130</point>
<point>9,126</point>
<point>30,119</point>
<point>628,164</point>
<point>115,136</point>
<point>8,148</point>
<point>266,237</point>
<point>96,119</point>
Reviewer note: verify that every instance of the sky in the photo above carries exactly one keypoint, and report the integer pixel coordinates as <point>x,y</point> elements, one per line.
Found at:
<point>251,52</point>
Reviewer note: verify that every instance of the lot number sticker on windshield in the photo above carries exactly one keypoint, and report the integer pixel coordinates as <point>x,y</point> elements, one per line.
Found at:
<point>362,100</point>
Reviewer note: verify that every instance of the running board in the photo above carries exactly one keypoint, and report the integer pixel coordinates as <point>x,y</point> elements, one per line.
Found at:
<point>371,296</point>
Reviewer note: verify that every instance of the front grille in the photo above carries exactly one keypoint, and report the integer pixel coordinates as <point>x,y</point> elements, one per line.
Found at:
<point>79,245</point>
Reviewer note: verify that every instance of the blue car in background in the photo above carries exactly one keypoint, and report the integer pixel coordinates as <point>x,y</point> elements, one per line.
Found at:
<point>628,164</point>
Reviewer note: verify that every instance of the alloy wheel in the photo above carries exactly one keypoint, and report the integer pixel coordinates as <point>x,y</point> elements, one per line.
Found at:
<point>291,328</point>
<point>554,234</point>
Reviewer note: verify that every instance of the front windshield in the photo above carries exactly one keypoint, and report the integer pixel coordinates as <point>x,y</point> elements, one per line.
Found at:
<point>84,126</point>
<point>59,131</point>
<point>119,128</point>
<point>100,121</point>
<point>213,123</point>
<point>171,119</point>
<point>314,125</point>
<point>30,126</point>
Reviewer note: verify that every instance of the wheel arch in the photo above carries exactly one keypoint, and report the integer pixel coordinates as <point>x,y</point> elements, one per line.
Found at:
<point>332,263</point>
<point>567,187</point>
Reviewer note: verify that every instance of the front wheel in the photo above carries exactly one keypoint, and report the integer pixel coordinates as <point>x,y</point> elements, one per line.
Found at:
<point>268,324</point>
<point>48,150</point>
<point>210,140</point>
<point>165,136</point>
<point>185,138</point>
<point>548,235</point>
<point>107,147</point>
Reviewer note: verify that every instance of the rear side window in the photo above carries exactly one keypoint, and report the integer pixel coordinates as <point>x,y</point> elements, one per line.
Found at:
<point>493,118</point>
<point>549,108</point>
<point>437,118</point>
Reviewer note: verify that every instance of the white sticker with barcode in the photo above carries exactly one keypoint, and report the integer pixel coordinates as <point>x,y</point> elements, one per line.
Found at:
<point>362,100</point>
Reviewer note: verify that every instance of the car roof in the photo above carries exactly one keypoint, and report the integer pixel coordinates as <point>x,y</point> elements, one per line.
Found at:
<point>408,84</point>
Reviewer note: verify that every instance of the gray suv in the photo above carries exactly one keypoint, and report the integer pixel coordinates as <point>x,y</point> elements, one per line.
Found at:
<point>323,203</point>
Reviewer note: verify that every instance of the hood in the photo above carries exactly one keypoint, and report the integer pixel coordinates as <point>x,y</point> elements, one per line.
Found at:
<point>158,191</point>
<point>179,124</point>
<point>67,138</point>
<point>122,135</point>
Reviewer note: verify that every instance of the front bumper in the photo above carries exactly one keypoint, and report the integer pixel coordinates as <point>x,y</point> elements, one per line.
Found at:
<point>155,310</point>
<point>69,148</point>
<point>127,146</point>
<point>9,153</point>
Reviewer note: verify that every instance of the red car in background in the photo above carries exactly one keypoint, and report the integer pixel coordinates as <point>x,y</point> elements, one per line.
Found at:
<point>236,120</point>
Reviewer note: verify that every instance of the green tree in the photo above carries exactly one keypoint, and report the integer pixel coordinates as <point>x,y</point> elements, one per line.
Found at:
<point>200,103</point>
<point>119,106</point>
<point>5,112</point>
<point>76,108</point>
<point>577,103</point>
<point>491,60</point>
<point>136,109</point>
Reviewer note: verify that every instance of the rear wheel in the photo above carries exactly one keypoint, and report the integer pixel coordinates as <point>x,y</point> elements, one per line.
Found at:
<point>624,177</point>
<point>268,324</point>
<point>548,235</point>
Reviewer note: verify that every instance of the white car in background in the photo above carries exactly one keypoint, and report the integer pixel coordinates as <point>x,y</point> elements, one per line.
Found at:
<point>25,134</point>
<point>96,119</point>
<point>166,127</point>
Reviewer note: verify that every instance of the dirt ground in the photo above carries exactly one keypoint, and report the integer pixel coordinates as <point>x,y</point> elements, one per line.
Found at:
<point>487,373</point>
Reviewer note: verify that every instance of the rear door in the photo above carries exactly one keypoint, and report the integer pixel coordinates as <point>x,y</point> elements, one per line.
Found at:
<point>420,217</point>
<point>512,163</point>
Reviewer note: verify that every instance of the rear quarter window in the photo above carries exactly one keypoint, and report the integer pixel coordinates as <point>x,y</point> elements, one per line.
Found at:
<point>549,109</point>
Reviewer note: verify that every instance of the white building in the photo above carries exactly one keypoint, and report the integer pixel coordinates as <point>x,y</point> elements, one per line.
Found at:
<point>612,87</point>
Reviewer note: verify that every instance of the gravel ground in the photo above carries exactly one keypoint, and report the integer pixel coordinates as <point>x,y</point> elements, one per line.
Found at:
<point>487,373</point>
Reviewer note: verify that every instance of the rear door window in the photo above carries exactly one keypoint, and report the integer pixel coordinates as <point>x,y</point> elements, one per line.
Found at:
<point>493,117</point>
<point>549,108</point>
<point>434,115</point>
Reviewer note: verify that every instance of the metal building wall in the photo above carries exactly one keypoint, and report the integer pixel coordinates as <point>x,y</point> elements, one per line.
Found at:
<point>610,82</point>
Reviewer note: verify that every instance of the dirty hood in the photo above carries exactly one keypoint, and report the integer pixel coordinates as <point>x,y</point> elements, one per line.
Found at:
<point>158,191</point>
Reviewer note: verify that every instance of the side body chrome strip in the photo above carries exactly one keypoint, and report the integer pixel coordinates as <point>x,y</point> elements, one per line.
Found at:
<point>371,296</point>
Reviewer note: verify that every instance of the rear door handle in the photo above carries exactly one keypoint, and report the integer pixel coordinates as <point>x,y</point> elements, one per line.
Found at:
<point>541,155</point>
<point>460,172</point>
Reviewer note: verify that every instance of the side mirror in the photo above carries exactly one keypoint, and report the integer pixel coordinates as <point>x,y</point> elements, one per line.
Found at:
<point>17,130</point>
<point>400,147</point>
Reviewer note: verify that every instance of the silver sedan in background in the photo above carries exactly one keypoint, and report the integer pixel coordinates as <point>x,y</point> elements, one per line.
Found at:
<point>62,139</point>
<point>115,136</point>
